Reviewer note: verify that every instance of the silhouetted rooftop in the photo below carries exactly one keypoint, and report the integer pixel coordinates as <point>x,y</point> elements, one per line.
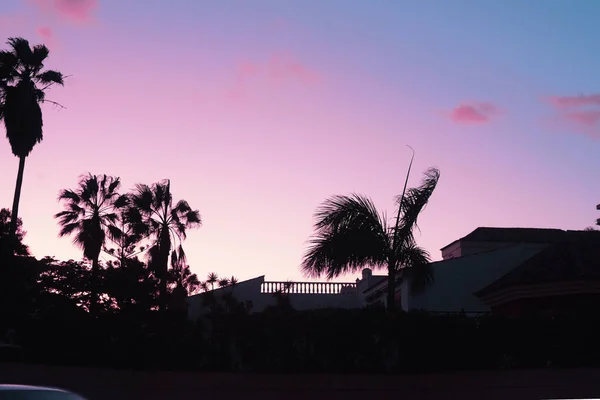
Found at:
<point>520,235</point>
<point>560,262</point>
<point>375,281</point>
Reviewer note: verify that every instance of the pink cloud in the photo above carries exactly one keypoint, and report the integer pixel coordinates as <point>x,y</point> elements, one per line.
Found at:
<point>585,119</point>
<point>588,118</point>
<point>575,101</point>
<point>473,113</point>
<point>282,67</point>
<point>74,10</point>
<point>46,34</point>
<point>279,69</point>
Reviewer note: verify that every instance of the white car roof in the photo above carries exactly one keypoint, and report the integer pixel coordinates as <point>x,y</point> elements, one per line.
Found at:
<point>28,387</point>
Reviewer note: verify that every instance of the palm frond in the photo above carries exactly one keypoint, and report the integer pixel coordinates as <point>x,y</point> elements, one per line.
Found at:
<point>223,282</point>
<point>212,278</point>
<point>339,210</point>
<point>415,200</point>
<point>21,49</point>
<point>39,53</point>
<point>349,234</point>
<point>416,266</point>
<point>68,228</point>
<point>49,77</point>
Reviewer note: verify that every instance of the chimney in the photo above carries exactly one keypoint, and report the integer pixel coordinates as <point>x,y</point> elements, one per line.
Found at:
<point>367,273</point>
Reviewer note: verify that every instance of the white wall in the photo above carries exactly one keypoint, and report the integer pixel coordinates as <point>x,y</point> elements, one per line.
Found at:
<point>457,279</point>
<point>250,290</point>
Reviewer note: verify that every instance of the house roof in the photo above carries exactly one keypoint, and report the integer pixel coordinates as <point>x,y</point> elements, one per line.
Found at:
<point>570,260</point>
<point>375,281</point>
<point>516,235</point>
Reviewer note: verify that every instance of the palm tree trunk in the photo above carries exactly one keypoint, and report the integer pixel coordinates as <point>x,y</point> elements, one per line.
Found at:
<point>94,287</point>
<point>165,249</point>
<point>391,294</point>
<point>16,199</point>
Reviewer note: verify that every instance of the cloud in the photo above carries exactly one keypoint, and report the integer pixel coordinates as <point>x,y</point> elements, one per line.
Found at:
<point>588,118</point>
<point>278,69</point>
<point>575,101</point>
<point>473,113</point>
<point>74,10</point>
<point>47,35</point>
<point>580,113</point>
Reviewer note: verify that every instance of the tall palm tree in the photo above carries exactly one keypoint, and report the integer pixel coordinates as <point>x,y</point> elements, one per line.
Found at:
<point>350,234</point>
<point>156,217</point>
<point>90,215</point>
<point>23,85</point>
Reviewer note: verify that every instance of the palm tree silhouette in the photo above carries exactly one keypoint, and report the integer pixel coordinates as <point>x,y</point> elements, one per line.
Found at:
<point>154,216</point>
<point>212,279</point>
<point>350,234</point>
<point>186,282</point>
<point>23,85</point>
<point>90,213</point>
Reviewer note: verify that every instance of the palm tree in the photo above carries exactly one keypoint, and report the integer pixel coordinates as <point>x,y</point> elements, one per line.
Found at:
<point>182,276</point>
<point>23,85</point>
<point>154,216</point>
<point>212,279</point>
<point>186,283</point>
<point>90,213</point>
<point>350,234</point>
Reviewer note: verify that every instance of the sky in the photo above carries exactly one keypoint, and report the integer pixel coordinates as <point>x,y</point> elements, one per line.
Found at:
<point>259,110</point>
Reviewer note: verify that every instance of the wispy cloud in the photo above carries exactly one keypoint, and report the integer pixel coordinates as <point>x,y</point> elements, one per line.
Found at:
<point>279,69</point>
<point>473,113</point>
<point>73,10</point>
<point>47,35</point>
<point>575,101</point>
<point>581,113</point>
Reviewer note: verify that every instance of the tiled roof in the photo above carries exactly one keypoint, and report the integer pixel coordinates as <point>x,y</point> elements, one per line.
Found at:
<point>527,235</point>
<point>565,261</point>
<point>522,235</point>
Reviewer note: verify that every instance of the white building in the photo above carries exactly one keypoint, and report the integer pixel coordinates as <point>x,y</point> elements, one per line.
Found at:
<point>468,265</point>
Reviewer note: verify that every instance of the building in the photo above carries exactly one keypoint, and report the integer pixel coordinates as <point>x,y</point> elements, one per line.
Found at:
<point>490,269</point>
<point>302,295</point>
<point>562,278</point>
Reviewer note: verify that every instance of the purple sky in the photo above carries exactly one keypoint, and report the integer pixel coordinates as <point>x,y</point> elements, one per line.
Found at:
<point>259,110</point>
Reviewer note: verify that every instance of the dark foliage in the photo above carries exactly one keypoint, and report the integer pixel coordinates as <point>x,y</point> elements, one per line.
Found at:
<point>342,341</point>
<point>19,248</point>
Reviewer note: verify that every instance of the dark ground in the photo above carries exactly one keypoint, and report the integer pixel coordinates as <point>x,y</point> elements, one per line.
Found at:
<point>99,384</point>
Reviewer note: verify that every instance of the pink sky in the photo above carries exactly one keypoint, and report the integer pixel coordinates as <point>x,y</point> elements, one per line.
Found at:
<point>257,113</point>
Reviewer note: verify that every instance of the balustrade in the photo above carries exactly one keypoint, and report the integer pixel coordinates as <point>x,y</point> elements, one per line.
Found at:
<point>309,287</point>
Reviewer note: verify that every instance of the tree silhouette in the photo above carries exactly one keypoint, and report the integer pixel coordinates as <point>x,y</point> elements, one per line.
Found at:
<point>90,215</point>
<point>351,234</point>
<point>212,279</point>
<point>18,247</point>
<point>123,235</point>
<point>154,216</point>
<point>23,85</point>
<point>185,282</point>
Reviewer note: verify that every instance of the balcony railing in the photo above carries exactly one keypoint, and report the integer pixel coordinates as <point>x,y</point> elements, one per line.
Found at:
<point>309,287</point>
